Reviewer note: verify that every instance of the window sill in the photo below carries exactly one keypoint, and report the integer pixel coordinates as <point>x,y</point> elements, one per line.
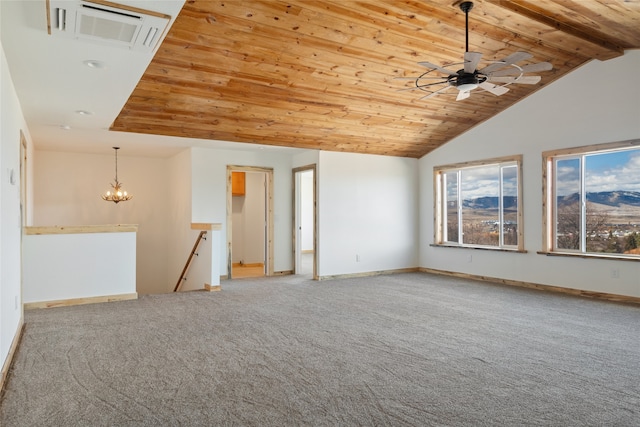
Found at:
<point>617,257</point>
<point>481,248</point>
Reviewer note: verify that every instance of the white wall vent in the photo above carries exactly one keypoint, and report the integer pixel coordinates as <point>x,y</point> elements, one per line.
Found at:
<point>106,22</point>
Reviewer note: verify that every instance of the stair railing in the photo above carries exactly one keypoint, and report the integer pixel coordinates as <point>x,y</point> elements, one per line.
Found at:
<point>183,277</point>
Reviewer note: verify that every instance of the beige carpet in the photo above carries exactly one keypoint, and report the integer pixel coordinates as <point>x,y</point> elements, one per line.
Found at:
<point>400,350</point>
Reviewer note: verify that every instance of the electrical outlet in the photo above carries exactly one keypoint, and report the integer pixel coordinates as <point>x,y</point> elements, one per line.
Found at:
<point>469,258</point>
<point>615,273</point>
<point>358,258</point>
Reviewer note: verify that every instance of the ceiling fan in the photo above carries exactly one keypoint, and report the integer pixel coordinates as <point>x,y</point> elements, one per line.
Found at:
<point>493,78</point>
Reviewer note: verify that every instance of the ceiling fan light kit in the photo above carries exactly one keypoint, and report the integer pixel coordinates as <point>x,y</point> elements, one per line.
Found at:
<point>493,78</point>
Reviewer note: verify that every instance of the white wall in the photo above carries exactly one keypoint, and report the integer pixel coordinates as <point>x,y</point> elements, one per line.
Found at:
<point>248,232</point>
<point>305,158</point>
<point>84,262</point>
<point>306,210</point>
<point>209,199</point>
<point>595,104</point>
<point>254,221</point>
<point>67,189</point>
<point>237,228</point>
<point>11,123</point>
<point>367,208</point>
<point>178,234</point>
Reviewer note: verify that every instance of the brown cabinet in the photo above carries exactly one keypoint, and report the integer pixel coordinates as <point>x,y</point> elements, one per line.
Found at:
<point>237,183</point>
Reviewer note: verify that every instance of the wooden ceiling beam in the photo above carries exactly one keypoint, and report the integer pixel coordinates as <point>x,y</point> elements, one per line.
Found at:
<point>610,49</point>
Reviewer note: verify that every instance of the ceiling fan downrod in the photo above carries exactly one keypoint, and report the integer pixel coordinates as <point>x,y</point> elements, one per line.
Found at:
<point>466,6</point>
<point>493,78</point>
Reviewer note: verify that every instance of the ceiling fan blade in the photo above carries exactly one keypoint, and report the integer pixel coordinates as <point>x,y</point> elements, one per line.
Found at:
<point>404,89</point>
<point>443,82</point>
<point>422,86</point>
<point>463,94</point>
<point>420,78</point>
<point>437,67</point>
<point>494,89</point>
<point>511,59</point>
<point>525,80</point>
<point>436,92</point>
<point>471,60</point>
<point>531,68</point>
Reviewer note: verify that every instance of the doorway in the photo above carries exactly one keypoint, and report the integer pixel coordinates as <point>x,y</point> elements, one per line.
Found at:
<point>304,224</point>
<point>249,222</point>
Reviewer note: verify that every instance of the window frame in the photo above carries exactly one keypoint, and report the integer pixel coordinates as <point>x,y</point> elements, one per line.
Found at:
<point>549,207</point>
<point>440,207</point>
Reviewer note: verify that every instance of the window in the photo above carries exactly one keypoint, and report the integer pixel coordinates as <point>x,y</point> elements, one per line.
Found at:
<point>478,204</point>
<point>593,200</point>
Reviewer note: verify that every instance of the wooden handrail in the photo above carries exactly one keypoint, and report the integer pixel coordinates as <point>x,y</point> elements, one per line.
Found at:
<point>186,266</point>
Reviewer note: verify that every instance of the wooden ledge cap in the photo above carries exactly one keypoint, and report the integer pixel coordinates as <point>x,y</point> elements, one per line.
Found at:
<point>206,226</point>
<point>81,229</point>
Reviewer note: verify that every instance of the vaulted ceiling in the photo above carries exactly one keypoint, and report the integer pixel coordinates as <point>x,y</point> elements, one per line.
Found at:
<point>323,74</point>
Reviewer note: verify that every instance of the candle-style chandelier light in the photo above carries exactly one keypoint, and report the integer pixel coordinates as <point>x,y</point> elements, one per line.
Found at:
<point>118,194</point>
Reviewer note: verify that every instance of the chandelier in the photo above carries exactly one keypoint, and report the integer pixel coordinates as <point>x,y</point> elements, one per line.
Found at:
<point>118,194</point>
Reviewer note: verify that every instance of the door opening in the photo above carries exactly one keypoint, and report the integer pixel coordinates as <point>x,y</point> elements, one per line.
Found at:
<point>249,222</point>
<point>305,252</point>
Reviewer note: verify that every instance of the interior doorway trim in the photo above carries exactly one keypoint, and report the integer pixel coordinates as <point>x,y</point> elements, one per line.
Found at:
<point>269,214</point>
<point>23,180</point>
<point>295,222</point>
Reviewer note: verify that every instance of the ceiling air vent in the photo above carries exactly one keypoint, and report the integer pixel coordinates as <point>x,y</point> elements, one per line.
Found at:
<point>106,22</point>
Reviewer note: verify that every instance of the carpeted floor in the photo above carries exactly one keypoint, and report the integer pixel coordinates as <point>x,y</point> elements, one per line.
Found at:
<point>408,349</point>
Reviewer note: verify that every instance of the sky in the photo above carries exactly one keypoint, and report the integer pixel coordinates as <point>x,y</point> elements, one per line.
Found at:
<point>604,172</point>
<point>484,182</point>
<point>619,171</point>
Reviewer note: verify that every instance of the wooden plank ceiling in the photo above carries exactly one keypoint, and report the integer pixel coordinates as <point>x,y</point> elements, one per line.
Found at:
<point>321,74</point>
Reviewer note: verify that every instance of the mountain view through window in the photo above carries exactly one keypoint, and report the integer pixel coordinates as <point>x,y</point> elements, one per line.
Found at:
<point>480,205</point>
<point>597,202</point>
